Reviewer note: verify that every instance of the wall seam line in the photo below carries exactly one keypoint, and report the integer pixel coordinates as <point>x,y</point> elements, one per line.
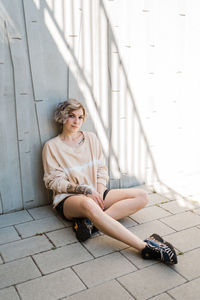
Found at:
<point>15,104</point>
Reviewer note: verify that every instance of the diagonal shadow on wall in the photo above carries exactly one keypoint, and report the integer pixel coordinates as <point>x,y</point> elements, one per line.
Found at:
<point>59,49</point>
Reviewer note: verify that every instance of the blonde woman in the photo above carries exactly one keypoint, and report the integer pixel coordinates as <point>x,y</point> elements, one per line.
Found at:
<point>75,170</point>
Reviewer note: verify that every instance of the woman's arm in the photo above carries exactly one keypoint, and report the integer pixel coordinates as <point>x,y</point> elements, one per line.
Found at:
<point>101,188</point>
<point>102,170</point>
<point>78,189</point>
<point>55,178</point>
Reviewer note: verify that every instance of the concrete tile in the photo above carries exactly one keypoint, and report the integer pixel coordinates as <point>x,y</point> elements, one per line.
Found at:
<point>103,269</point>
<point>1,261</point>
<point>24,248</point>
<point>111,290</point>
<point>141,284</point>
<point>8,234</point>
<point>39,226</point>
<point>127,222</point>
<point>190,290</point>
<point>145,230</point>
<point>42,212</point>
<point>144,188</point>
<point>156,199</point>
<point>62,237</point>
<point>135,257</point>
<point>163,296</point>
<point>45,212</point>
<point>185,240</point>
<point>102,245</point>
<point>182,221</point>
<point>149,214</point>
<point>197,211</point>
<point>189,264</point>
<point>18,271</point>
<point>9,294</point>
<point>63,257</point>
<point>52,287</point>
<point>173,207</point>
<point>64,221</point>
<point>14,218</point>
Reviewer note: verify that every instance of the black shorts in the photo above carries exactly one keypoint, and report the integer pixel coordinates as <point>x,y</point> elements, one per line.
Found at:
<point>59,207</point>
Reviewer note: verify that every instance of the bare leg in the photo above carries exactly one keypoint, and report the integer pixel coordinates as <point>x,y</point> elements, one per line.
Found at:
<point>120,203</point>
<point>82,206</point>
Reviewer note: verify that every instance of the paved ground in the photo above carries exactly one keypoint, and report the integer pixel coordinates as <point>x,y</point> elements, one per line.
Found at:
<point>40,257</point>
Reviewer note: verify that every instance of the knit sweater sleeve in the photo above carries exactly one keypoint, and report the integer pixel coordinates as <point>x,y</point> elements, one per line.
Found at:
<point>102,170</point>
<point>54,176</point>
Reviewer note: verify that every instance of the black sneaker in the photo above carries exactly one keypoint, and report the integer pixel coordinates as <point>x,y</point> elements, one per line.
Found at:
<point>82,228</point>
<point>156,237</point>
<point>159,249</point>
<point>94,230</point>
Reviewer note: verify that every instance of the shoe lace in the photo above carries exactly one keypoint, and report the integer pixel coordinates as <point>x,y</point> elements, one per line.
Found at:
<point>168,251</point>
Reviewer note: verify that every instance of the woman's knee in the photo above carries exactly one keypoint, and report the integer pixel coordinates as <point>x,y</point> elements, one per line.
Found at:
<point>143,198</point>
<point>89,207</point>
<point>141,195</point>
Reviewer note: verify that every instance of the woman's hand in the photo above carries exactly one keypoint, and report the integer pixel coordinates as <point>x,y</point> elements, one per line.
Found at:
<point>97,198</point>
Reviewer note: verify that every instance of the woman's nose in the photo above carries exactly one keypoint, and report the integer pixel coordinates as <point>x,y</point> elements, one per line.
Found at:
<point>76,120</point>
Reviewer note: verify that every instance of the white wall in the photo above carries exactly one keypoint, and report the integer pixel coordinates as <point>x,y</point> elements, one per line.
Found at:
<point>159,43</point>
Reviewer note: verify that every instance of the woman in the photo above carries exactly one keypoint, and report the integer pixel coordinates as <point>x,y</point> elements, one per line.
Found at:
<point>75,171</point>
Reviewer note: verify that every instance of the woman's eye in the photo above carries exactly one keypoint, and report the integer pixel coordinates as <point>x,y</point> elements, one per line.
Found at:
<point>81,117</point>
<point>71,116</point>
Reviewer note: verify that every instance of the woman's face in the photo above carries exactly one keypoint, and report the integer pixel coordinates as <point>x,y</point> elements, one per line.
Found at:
<point>74,121</point>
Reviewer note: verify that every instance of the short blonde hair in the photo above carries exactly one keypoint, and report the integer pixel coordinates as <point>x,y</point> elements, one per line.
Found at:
<point>65,108</point>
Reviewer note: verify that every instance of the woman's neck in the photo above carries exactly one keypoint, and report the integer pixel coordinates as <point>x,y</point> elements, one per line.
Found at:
<point>73,139</point>
<point>70,136</point>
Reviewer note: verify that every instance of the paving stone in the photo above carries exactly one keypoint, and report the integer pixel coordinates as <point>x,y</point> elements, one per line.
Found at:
<point>62,237</point>
<point>111,290</point>
<point>185,240</point>
<point>24,248</point>
<point>156,199</point>
<point>144,188</point>
<point>197,211</point>
<point>182,221</point>
<point>163,296</point>
<point>64,221</point>
<point>9,294</point>
<point>190,290</point>
<point>14,218</point>
<point>149,214</point>
<point>45,212</point>
<point>39,226</point>
<point>141,284</point>
<point>63,257</point>
<point>189,264</point>
<point>134,256</point>
<point>127,222</point>
<point>173,207</point>
<point>52,287</point>
<point>103,269</point>
<point>18,271</point>
<point>102,245</point>
<point>8,234</point>
<point>42,212</point>
<point>145,230</point>
<point>169,195</point>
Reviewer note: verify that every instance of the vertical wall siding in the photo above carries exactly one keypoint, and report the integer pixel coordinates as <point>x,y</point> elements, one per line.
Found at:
<point>21,171</point>
<point>51,50</point>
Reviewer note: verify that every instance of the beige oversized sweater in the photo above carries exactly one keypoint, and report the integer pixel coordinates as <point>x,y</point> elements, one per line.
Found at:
<point>63,164</point>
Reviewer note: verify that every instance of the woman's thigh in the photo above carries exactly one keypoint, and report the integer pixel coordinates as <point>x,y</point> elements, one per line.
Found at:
<point>74,207</point>
<point>116,195</point>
